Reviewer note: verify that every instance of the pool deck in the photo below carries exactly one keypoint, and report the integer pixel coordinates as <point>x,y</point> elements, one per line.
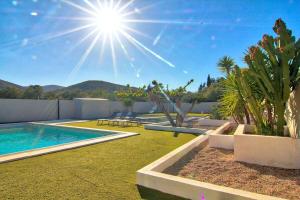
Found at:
<point>63,147</point>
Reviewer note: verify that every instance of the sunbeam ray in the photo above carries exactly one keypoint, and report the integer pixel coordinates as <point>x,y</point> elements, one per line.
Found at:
<point>108,18</point>
<point>91,5</point>
<point>79,7</point>
<point>125,6</point>
<point>113,55</point>
<point>85,55</point>
<point>150,21</point>
<point>82,40</point>
<point>147,49</point>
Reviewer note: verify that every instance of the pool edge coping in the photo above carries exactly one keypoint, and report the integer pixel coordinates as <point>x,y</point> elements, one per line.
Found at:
<point>63,147</point>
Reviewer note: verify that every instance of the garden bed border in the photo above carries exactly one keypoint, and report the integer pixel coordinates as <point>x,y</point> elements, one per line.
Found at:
<point>152,176</point>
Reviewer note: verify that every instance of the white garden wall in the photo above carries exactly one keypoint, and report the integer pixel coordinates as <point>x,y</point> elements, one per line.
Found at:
<point>22,110</point>
<point>66,109</point>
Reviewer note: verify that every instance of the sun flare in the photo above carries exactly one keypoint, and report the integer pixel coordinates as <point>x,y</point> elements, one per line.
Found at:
<point>109,20</point>
<point>110,24</point>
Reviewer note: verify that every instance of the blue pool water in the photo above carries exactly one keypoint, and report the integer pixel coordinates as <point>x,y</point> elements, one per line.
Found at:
<point>29,137</point>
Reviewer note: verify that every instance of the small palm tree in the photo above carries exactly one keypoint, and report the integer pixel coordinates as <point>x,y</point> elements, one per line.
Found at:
<point>225,64</point>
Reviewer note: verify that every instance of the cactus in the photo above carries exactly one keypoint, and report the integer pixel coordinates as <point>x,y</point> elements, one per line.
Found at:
<point>274,65</point>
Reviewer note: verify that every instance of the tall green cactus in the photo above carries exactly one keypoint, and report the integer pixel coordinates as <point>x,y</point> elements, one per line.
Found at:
<point>274,65</point>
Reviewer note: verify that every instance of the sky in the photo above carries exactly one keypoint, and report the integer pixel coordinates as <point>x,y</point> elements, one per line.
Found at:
<point>53,42</point>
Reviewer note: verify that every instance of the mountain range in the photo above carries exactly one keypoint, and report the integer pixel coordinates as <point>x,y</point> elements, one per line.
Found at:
<point>85,86</point>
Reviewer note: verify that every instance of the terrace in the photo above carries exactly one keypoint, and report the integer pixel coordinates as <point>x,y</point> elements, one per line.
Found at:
<point>163,135</point>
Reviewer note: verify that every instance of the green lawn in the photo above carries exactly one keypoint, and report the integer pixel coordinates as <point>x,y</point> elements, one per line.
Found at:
<point>101,171</point>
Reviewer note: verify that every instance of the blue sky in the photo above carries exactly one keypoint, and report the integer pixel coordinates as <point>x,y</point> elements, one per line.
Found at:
<point>190,34</point>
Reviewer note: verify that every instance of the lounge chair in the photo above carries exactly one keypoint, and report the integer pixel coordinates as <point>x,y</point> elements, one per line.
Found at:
<point>119,119</point>
<point>101,121</point>
<point>132,118</point>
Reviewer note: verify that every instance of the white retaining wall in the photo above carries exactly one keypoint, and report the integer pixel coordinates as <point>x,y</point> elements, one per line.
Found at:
<point>22,110</point>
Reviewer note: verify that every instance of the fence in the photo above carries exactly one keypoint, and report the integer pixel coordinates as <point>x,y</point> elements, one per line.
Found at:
<point>23,110</point>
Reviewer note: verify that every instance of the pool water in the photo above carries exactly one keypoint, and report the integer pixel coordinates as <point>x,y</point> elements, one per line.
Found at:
<point>30,137</point>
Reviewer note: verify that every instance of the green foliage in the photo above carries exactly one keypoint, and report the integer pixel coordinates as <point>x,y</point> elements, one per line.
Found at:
<point>225,65</point>
<point>209,81</point>
<point>130,95</point>
<point>232,103</point>
<point>128,102</point>
<point>11,93</point>
<point>264,88</point>
<point>216,113</point>
<point>274,66</point>
<point>180,92</point>
<point>33,92</point>
<point>50,95</point>
<point>213,92</point>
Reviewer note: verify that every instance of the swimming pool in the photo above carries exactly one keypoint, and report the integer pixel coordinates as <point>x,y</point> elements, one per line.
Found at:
<point>28,137</point>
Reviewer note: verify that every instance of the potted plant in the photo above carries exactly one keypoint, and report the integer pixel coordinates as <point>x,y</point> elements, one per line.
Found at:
<point>265,87</point>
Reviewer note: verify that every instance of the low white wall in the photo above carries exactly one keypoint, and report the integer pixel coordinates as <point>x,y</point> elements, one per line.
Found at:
<point>142,107</point>
<point>211,122</point>
<point>19,110</point>
<point>274,151</point>
<point>175,129</point>
<point>152,176</point>
<point>25,110</point>
<point>66,109</point>
<point>218,140</point>
<point>92,108</point>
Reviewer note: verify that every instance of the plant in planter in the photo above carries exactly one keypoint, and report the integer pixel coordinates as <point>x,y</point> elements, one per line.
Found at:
<point>272,75</point>
<point>265,87</point>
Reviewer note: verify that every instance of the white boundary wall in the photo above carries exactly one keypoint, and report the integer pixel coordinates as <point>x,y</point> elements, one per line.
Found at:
<point>25,110</point>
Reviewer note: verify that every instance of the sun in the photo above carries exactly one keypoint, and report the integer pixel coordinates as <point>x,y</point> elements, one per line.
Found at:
<point>109,20</point>
<point>110,23</point>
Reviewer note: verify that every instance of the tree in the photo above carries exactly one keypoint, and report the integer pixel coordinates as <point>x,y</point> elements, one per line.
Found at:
<point>208,82</point>
<point>11,93</point>
<point>201,87</point>
<point>130,95</point>
<point>174,97</point>
<point>50,95</point>
<point>226,64</point>
<point>33,92</point>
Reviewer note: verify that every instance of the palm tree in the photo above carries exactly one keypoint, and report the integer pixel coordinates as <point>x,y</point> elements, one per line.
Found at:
<point>225,64</point>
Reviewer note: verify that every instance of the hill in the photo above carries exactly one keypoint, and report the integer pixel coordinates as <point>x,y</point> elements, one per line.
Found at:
<point>86,89</point>
<point>5,84</point>
<point>88,86</point>
<point>50,88</point>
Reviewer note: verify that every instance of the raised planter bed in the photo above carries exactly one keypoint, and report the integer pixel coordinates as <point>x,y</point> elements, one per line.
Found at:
<point>220,140</point>
<point>154,176</point>
<point>274,151</point>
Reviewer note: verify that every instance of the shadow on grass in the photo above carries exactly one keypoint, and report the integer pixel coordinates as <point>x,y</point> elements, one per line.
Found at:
<point>150,194</point>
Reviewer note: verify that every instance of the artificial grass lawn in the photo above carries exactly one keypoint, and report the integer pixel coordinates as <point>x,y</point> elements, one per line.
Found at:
<point>101,171</point>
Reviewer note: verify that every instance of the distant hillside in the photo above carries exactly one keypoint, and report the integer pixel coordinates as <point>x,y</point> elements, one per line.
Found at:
<point>50,88</point>
<point>5,84</point>
<point>95,85</point>
<point>87,89</point>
